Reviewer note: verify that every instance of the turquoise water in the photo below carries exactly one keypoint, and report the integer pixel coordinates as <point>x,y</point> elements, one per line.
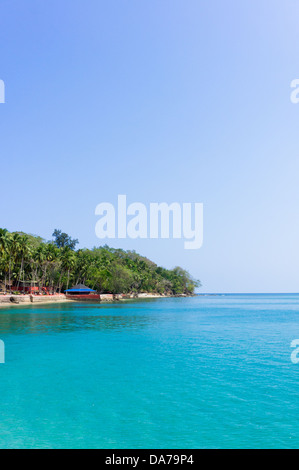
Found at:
<point>204,372</point>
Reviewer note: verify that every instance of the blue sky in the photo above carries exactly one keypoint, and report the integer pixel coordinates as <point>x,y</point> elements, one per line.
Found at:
<point>185,101</point>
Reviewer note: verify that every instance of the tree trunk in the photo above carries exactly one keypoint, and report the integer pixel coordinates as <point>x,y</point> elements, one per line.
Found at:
<point>20,273</point>
<point>68,279</point>
<point>9,276</point>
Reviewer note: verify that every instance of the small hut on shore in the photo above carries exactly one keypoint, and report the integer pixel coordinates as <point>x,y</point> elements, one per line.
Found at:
<point>82,292</point>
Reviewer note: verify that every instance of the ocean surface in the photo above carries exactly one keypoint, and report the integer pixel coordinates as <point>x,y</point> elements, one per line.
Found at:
<point>203,372</point>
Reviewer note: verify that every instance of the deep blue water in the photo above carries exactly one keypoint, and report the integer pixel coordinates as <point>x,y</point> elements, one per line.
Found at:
<point>203,372</point>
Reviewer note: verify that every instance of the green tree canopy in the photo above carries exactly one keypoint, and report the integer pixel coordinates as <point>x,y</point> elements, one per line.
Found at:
<point>107,270</point>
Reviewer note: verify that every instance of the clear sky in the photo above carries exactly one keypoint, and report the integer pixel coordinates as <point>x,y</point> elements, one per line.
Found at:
<point>161,100</point>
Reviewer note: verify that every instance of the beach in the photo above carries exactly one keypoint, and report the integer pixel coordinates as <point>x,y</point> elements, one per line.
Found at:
<point>23,300</point>
<point>11,300</point>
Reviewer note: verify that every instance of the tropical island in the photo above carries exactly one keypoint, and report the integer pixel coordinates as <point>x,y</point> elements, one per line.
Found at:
<point>31,265</point>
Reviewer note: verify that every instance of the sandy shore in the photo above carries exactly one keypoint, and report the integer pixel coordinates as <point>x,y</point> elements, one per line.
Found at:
<point>23,300</point>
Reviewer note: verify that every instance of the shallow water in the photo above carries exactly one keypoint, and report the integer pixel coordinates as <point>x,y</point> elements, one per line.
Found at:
<point>203,372</point>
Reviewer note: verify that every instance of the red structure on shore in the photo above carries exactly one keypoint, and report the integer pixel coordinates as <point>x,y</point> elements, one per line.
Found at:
<point>29,287</point>
<point>81,292</point>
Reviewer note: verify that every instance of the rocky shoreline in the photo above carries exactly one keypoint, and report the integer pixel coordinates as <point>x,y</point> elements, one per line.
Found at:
<point>11,300</point>
<point>19,300</point>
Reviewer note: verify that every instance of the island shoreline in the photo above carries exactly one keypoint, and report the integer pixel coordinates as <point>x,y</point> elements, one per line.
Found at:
<point>20,300</point>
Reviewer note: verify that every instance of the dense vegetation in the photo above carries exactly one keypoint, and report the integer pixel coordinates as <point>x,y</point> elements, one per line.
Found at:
<point>57,265</point>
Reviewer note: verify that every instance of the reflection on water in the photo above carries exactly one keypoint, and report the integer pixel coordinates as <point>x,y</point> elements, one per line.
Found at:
<point>194,313</point>
<point>73,317</point>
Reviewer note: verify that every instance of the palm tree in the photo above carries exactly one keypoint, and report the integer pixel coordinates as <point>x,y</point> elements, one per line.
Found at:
<point>38,259</point>
<point>25,252</point>
<point>68,259</point>
<point>3,240</point>
<point>84,264</point>
<point>3,251</point>
<point>52,263</point>
<point>11,250</point>
<point>15,245</point>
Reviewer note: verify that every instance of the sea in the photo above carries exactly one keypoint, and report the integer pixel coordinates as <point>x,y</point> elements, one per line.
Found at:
<point>203,372</point>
